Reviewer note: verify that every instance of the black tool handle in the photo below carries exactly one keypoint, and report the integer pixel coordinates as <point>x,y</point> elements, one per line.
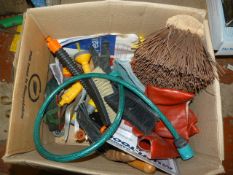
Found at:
<point>88,84</point>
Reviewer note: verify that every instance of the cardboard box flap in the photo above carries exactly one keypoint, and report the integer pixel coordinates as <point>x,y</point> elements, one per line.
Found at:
<point>93,164</point>
<point>29,86</point>
<point>201,164</point>
<point>101,166</point>
<point>106,16</point>
<point>16,57</point>
<point>207,106</point>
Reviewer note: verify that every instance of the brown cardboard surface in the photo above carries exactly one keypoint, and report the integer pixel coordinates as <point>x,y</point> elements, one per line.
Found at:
<point>207,106</point>
<point>32,64</point>
<point>106,16</point>
<point>94,164</point>
<point>200,164</point>
<point>200,4</point>
<point>91,18</point>
<point>15,62</point>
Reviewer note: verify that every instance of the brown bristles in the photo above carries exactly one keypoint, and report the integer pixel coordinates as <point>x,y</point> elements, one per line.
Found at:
<point>173,58</point>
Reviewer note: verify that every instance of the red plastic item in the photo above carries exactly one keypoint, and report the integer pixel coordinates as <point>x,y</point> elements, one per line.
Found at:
<point>174,105</point>
<point>157,147</point>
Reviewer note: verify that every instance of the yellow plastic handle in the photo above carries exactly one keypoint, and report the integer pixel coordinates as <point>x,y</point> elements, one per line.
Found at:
<point>71,94</point>
<point>86,68</point>
<point>76,88</point>
<point>83,59</point>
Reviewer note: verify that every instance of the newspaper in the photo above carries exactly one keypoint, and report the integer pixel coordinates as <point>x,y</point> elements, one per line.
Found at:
<point>126,141</point>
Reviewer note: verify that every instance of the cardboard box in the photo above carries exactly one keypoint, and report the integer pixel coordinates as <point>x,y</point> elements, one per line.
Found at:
<point>70,20</point>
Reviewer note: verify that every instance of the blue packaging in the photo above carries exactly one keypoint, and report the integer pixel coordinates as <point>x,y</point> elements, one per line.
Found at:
<point>96,42</point>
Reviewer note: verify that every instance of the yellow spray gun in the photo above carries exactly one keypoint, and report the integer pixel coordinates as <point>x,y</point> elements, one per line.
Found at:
<point>83,58</point>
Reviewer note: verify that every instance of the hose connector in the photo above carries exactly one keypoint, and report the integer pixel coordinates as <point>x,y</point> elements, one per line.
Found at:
<point>184,148</point>
<point>53,44</point>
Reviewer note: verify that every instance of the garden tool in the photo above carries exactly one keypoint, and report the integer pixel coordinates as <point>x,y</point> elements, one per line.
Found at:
<point>136,111</point>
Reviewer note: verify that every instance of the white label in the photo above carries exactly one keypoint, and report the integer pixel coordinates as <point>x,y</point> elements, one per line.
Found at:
<point>225,49</point>
<point>126,141</point>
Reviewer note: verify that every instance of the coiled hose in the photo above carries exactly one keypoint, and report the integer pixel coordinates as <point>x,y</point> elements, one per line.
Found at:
<point>184,149</point>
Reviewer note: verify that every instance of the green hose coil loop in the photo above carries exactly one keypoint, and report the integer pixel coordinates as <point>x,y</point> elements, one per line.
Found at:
<point>111,130</point>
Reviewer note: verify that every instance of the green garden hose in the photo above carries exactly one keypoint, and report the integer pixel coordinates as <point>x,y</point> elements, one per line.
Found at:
<point>182,146</point>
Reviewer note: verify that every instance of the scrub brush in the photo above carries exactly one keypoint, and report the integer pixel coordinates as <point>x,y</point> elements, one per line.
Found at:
<point>175,57</point>
<point>105,89</point>
<point>136,111</point>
